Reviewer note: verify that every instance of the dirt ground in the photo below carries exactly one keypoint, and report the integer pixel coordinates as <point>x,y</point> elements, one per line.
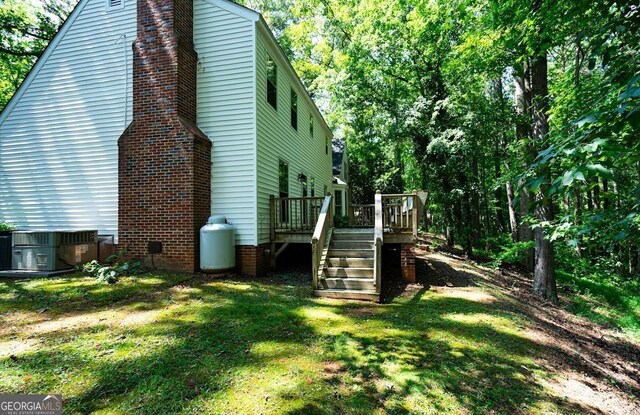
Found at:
<point>594,368</point>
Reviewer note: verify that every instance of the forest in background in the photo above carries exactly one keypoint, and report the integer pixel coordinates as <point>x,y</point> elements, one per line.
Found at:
<point>519,118</point>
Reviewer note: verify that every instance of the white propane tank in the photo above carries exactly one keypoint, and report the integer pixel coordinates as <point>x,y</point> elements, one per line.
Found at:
<point>217,245</point>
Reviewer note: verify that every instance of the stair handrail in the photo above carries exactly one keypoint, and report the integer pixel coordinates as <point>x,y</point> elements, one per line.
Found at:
<point>378,237</point>
<point>318,240</point>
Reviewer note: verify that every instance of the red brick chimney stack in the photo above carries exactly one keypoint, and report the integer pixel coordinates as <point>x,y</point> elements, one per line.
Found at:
<point>164,160</point>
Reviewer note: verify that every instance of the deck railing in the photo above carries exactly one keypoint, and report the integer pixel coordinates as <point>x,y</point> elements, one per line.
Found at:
<point>378,237</point>
<point>361,216</point>
<point>294,214</point>
<point>319,239</point>
<point>400,212</point>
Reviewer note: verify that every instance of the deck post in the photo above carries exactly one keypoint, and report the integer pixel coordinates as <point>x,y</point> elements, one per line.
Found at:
<point>414,214</point>
<point>272,231</point>
<point>378,236</point>
<point>272,216</point>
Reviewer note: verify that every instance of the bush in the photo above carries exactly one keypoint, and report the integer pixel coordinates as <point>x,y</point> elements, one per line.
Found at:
<point>341,221</point>
<point>4,226</point>
<point>114,270</point>
<point>504,251</point>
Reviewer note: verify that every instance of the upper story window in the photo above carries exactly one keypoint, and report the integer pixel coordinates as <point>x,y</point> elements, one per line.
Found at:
<point>326,145</point>
<point>311,125</point>
<point>272,83</point>
<point>294,110</point>
<point>114,4</point>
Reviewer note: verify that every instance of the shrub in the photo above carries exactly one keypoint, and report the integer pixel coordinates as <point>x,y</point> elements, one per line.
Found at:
<point>341,221</point>
<point>111,272</point>
<point>4,226</point>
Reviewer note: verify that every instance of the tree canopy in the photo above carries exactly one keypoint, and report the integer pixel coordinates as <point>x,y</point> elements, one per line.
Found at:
<point>518,117</point>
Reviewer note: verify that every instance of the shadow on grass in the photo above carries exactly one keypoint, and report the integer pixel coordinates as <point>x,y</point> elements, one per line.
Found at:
<point>425,359</point>
<point>78,293</point>
<point>421,352</point>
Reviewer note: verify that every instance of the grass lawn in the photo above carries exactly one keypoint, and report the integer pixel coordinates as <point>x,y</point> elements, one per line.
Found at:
<point>171,344</point>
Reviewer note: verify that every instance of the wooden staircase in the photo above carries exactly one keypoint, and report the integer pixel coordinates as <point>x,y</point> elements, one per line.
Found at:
<point>348,269</point>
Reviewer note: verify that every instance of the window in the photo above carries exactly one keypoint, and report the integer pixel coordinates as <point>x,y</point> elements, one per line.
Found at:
<point>114,4</point>
<point>326,145</point>
<point>313,187</point>
<point>311,125</point>
<point>283,187</point>
<point>294,110</point>
<point>272,83</point>
<point>325,190</point>
<point>338,195</point>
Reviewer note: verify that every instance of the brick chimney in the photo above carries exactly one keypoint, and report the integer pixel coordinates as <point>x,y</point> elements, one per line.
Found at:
<point>164,161</point>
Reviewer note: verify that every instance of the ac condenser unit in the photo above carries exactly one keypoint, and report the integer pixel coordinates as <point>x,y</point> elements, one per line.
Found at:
<point>52,250</point>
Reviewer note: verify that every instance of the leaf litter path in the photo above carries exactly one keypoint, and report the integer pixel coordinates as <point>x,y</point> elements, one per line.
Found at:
<point>594,369</point>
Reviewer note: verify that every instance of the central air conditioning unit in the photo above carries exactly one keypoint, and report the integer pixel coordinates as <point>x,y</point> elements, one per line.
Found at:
<point>52,250</point>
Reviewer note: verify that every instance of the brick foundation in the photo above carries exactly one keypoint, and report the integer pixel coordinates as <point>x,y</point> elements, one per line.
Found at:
<point>252,260</point>
<point>408,263</point>
<point>164,160</point>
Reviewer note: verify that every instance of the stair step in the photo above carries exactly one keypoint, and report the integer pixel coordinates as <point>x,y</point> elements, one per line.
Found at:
<point>348,294</point>
<point>365,284</point>
<point>340,272</point>
<point>349,262</point>
<point>349,253</point>
<point>344,236</point>
<point>351,244</point>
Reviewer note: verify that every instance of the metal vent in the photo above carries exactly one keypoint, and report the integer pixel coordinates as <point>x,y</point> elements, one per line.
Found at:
<point>33,238</point>
<point>115,4</point>
<point>83,237</point>
<point>26,238</point>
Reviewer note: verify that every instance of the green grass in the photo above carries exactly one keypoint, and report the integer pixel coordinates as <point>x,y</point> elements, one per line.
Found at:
<point>606,299</point>
<point>166,344</point>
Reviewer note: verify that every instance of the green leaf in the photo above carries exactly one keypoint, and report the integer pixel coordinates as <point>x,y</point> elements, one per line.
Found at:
<point>589,119</point>
<point>600,170</point>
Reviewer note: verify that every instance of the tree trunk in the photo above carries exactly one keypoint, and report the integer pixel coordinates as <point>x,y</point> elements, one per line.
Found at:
<point>522,85</point>
<point>578,215</point>
<point>470,233</point>
<point>500,152</point>
<point>526,233</point>
<point>448,233</point>
<point>544,277</point>
<point>596,194</point>
<point>605,188</point>
<point>513,219</point>
<point>473,214</point>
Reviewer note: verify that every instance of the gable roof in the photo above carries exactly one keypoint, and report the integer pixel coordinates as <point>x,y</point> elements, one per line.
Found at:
<point>228,5</point>
<point>337,148</point>
<point>33,72</point>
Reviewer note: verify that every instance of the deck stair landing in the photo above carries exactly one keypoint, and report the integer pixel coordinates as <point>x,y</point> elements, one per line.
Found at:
<point>348,270</point>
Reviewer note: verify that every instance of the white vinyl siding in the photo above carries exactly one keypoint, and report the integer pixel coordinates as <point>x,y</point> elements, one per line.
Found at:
<point>226,112</point>
<point>58,143</point>
<point>278,141</point>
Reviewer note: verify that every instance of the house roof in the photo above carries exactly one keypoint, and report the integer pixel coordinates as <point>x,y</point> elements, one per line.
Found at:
<point>238,9</point>
<point>337,147</point>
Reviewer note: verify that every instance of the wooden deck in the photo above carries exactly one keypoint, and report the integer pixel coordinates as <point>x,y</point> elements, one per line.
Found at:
<point>346,262</point>
<point>294,219</point>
